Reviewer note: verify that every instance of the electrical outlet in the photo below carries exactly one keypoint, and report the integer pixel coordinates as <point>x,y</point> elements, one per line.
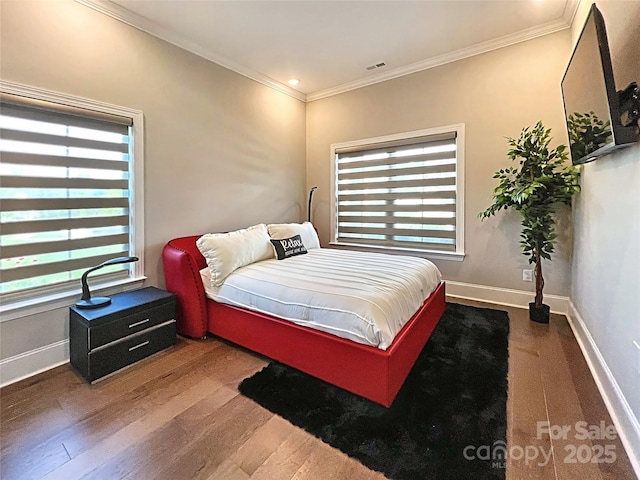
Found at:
<point>637,345</point>
<point>527,275</point>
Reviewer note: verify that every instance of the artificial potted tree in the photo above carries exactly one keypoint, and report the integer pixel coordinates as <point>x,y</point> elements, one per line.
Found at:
<point>536,189</point>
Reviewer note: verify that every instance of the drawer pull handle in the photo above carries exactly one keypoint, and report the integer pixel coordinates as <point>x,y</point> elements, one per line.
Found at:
<point>138,323</point>
<point>140,345</point>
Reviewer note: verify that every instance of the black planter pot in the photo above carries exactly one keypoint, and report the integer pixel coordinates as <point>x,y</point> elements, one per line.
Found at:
<point>539,314</point>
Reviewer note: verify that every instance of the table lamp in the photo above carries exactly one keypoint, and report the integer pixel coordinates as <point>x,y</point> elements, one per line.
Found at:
<point>96,302</point>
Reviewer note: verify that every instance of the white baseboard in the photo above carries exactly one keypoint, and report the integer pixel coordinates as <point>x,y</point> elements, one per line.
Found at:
<point>504,296</point>
<point>24,365</point>
<point>29,363</point>
<point>625,421</point>
<point>623,417</point>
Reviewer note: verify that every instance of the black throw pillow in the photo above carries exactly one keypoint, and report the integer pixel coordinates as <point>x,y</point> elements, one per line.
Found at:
<point>289,247</point>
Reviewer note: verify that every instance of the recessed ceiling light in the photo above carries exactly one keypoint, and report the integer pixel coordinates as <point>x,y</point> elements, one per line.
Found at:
<point>293,82</point>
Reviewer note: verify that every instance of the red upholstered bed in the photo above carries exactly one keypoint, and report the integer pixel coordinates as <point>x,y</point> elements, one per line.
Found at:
<point>364,370</point>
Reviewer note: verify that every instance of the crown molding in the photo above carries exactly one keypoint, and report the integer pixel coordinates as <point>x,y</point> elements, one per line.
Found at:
<point>570,10</point>
<point>477,49</point>
<point>115,11</point>
<point>126,16</point>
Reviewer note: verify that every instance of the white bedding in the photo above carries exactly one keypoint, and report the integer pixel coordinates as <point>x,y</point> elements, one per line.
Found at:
<point>364,297</point>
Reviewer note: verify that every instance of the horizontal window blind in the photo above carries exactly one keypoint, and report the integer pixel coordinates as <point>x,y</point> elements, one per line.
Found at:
<point>64,192</point>
<point>398,194</point>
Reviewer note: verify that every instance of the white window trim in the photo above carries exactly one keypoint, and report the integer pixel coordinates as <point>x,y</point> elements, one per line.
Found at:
<point>459,254</point>
<point>28,304</point>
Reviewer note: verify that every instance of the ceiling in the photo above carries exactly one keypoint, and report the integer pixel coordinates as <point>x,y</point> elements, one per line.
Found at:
<point>328,45</point>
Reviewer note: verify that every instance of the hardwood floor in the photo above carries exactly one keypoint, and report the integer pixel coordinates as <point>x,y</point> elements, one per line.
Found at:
<point>178,415</point>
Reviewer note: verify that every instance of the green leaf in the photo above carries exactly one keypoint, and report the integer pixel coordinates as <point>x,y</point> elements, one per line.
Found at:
<point>540,182</point>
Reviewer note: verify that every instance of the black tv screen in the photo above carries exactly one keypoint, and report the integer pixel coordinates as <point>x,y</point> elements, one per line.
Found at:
<point>591,103</point>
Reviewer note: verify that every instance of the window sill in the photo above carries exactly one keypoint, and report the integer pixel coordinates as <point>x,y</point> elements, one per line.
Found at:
<point>428,254</point>
<point>64,299</point>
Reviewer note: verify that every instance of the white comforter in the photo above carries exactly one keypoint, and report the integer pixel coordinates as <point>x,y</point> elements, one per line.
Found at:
<point>364,297</point>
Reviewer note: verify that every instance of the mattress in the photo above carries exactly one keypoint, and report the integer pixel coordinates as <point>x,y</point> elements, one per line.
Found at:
<point>360,296</point>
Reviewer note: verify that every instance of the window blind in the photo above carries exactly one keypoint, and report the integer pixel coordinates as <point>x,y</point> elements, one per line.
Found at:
<point>64,192</point>
<point>398,194</point>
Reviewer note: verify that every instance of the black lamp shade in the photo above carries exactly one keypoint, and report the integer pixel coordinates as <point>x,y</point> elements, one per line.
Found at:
<point>87,301</point>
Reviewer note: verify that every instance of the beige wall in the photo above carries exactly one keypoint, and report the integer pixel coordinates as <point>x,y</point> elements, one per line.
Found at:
<point>494,95</point>
<point>605,280</point>
<point>222,151</point>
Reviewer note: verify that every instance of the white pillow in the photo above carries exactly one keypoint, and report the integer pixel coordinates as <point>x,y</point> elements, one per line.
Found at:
<point>279,231</point>
<point>226,252</point>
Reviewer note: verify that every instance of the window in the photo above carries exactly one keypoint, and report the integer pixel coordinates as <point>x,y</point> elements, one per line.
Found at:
<point>68,176</point>
<point>401,192</point>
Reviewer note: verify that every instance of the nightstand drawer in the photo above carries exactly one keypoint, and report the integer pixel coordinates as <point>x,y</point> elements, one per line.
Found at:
<point>108,332</point>
<point>119,354</point>
<point>134,325</point>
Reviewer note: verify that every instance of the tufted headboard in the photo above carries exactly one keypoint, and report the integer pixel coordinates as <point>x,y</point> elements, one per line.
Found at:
<point>182,264</point>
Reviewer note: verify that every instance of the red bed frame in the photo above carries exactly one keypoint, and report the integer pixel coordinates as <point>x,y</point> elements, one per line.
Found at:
<point>364,370</point>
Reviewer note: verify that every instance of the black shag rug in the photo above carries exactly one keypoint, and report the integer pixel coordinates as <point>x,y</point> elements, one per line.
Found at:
<point>454,397</point>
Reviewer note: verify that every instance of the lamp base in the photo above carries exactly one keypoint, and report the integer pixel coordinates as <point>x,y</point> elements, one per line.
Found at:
<point>93,302</point>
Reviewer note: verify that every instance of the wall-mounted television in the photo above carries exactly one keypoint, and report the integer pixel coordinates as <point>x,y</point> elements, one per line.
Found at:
<point>591,102</point>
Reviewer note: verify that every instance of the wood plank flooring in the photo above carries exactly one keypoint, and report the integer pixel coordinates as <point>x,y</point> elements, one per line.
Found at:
<point>178,415</point>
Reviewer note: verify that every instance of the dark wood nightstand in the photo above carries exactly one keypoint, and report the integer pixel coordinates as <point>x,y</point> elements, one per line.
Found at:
<point>135,325</point>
